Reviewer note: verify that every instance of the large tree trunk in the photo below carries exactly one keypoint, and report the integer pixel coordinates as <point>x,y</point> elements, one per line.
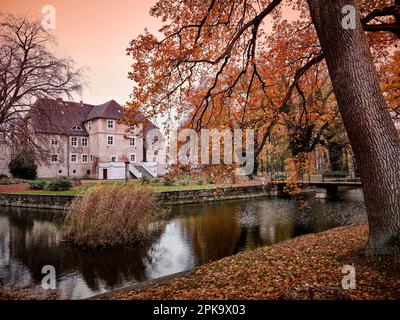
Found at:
<point>368,124</point>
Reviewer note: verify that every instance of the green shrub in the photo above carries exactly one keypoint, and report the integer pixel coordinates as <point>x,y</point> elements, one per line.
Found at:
<point>211,181</point>
<point>23,166</point>
<point>3,176</point>
<point>200,181</point>
<point>37,185</point>
<point>109,216</point>
<point>59,184</point>
<point>279,176</point>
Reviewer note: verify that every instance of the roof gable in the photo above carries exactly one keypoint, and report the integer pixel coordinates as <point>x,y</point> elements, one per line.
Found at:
<point>51,116</point>
<point>108,110</point>
<point>59,117</point>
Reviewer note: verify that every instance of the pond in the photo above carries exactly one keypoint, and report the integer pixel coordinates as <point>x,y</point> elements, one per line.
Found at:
<point>194,235</point>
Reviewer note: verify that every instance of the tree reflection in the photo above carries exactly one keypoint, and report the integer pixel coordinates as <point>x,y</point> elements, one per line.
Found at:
<point>211,229</point>
<point>35,241</point>
<point>196,234</point>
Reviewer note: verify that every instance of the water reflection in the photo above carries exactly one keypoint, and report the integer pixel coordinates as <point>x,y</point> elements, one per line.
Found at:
<point>196,234</point>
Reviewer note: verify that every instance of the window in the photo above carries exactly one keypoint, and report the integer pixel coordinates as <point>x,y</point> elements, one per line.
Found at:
<point>74,141</point>
<point>77,128</point>
<point>133,158</point>
<point>132,128</point>
<point>91,158</point>
<point>84,158</point>
<point>59,171</point>
<point>54,158</point>
<point>90,125</point>
<point>73,171</point>
<point>155,156</point>
<point>54,141</point>
<point>88,172</point>
<point>73,158</point>
<point>84,142</point>
<point>113,158</point>
<point>132,141</point>
<point>110,124</point>
<point>110,140</point>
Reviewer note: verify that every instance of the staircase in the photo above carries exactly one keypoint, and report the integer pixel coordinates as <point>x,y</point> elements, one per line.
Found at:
<point>136,173</point>
<point>142,170</point>
<point>150,169</point>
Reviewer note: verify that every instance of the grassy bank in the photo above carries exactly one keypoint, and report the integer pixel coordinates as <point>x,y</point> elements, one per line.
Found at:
<point>86,186</point>
<point>307,267</point>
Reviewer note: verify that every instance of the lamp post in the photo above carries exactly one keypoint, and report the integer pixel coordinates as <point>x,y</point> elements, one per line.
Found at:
<point>126,171</point>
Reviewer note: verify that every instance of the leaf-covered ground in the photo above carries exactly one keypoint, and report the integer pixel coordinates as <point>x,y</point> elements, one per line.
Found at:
<point>308,267</point>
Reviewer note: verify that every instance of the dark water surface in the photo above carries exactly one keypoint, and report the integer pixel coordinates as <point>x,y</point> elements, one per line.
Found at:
<point>196,234</point>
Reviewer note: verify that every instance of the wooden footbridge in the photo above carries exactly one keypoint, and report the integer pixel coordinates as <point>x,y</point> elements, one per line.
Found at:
<point>325,187</point>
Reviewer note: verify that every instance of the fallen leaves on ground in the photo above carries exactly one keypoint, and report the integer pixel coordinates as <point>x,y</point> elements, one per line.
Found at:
<point>307,267</point>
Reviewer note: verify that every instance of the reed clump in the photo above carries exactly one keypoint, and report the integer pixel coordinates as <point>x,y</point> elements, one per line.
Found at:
<point>113,215</point>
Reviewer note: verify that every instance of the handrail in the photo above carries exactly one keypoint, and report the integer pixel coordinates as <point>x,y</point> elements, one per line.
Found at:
<point>135,171</point>
<point>149,169</point>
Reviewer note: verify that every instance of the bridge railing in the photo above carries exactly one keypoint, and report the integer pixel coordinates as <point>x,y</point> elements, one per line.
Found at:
<point>332,176</point>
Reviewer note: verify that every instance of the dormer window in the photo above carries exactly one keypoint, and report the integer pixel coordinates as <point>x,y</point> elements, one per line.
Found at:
<point>110,124</point>
<point>77,128</point>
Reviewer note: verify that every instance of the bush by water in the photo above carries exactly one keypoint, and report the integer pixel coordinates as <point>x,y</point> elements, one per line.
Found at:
<point>116,215</point>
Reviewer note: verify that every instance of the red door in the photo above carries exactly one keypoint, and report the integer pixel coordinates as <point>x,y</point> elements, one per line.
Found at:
<point>105,177</point>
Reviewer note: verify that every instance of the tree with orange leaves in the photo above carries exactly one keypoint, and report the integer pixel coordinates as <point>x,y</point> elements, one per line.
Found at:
<point>224,45</point>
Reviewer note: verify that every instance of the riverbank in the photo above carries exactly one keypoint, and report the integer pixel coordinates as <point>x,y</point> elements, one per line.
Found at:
<point>60,202</point>
<point>308,267</point>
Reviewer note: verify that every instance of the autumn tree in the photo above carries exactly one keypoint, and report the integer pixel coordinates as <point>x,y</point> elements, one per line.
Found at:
<point>390,83</point>
<point>29,70</point>
<point>224,44</point>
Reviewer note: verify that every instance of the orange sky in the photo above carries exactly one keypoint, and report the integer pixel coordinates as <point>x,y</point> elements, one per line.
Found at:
<point>95,33</point>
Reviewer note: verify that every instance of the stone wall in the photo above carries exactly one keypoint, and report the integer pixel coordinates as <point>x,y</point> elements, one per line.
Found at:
<point>206,195</point>
<point>35,201</point>
<point>173,197</point>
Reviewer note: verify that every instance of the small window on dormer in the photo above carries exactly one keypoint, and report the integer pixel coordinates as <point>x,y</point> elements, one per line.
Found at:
<point>77,128</point>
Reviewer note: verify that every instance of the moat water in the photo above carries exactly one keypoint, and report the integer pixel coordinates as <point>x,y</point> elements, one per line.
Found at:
<point>194,235</point>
